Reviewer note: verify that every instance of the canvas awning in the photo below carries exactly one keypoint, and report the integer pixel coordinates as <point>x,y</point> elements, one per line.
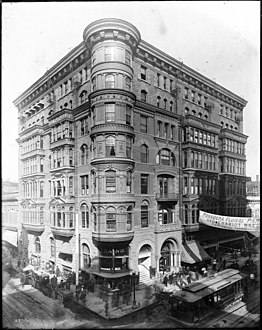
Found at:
<point>10,237</point>
<point>66,248</point>
<point>193,252</point>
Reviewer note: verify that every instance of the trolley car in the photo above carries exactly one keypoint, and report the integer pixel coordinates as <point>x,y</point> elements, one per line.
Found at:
<point>203,298</point>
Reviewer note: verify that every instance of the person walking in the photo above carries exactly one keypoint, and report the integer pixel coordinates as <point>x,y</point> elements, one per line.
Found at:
<point>22,279</point>
<point>214,264</point>
<point>165,280</point>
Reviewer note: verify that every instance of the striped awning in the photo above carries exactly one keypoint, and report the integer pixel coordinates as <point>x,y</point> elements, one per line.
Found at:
<point>193,252</point>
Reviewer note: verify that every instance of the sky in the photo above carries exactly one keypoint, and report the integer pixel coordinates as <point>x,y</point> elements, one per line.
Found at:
<point>219,39</point>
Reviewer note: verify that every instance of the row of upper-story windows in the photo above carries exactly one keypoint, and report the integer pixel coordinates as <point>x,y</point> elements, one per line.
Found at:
<point>112,80</point>
<point>166,130</point>
<point>61,186</point>
<point>200,160</point>
<point>111,53</point>
<point>199,136</point>
<point>33,189</point>
<point>235,187</point>
<point>199,186</point>
<point>233,166</point>
<point>83,75</point>
<point>228,112</point>
<point>233,146</point>
<point>32,143</point>
<point>61,157</point>
<point>161,81</point>
<point>195,97</point>
<point>33,165</point>
<point>61,131</point>
<point>191,212</point>
<point>64,88</point>
<point>62,217</point>
<point>226,125</point>
<point>110,112</point>
<point>165,105</point>
<point>194,113</point>
<point>33,216</point>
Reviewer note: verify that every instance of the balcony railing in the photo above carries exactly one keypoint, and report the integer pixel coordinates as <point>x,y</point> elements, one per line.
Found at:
<point>167,227</point>
<point>63,228</point>
<point>36,225</point>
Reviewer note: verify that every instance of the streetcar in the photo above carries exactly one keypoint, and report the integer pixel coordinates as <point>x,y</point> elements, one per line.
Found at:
<point>200,299</point>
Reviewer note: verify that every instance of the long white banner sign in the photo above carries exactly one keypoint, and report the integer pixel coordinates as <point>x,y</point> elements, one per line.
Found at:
<point>232,223</point>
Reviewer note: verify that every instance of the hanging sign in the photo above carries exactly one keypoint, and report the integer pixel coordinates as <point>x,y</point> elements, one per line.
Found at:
<point>232,223</point>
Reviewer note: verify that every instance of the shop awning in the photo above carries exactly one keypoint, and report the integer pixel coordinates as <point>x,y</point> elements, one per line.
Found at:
<point>10,237</point>
<point>193,252</point>
<point>66,248</point>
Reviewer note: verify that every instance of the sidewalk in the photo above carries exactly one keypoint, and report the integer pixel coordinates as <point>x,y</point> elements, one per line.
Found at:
<point>97,305</point>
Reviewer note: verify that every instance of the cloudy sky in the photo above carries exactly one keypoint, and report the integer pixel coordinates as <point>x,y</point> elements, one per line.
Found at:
<point>220,39</point>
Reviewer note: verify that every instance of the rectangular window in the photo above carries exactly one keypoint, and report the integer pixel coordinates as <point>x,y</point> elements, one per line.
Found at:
<point>110,222</point>
<point>109,54</point>
<point>128,114</point>
<point>143,124</point>
<point>199,97</point>
<point>110,112</point>
<point>84,184</point>
<point>186,93</point>
<point>171,85</point>
<point>143,72</point>
<point>41,189</point>
<point>164,82</point>
<point>144,216</point>
<point>205,101</point>
<point>144,184</point>
<point>158,79</point>
<point>128,181</point>
<point>110,181</point>
<point>128,147</point>
<point>166,131</point>
<point>192,96</point>
<point>127,57</point>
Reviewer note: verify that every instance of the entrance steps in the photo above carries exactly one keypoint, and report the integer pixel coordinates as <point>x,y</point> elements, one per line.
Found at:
<point>144,279</point>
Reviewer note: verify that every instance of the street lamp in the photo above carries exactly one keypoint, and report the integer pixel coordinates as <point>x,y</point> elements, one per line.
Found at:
<point>133,281</point>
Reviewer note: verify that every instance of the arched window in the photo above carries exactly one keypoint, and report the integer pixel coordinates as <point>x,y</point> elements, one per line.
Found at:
<point>86,256</point>
<point>143,95</point>
<point>171,106</point>
<point>166,157</point>
<point>165,103</point>
<point>163,216</point>
<point>84,215</point>
<point>52,247</point>
<point>110,81</point>
<point>83,97</point>
<point>84,154</point>
<point>129,218</point>
<point>37,245</point>
<point>186,111</point>
<point>144,153</point>
<point>144,214</point>
<point>158,101</point>
<point>110,146</point>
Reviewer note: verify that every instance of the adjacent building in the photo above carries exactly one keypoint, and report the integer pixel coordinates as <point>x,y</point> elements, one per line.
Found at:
<point>120,146</point>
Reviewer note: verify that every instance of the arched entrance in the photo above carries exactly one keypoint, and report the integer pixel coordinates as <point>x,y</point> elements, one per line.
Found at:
<point>169,256</point>
<point>145,259</point>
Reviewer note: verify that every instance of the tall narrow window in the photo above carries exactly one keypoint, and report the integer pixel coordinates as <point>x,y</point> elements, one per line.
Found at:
<point>165,83</point>
<point>143,95</point>
<point>109,54</point>
<point>128,114</point>
<point>86,256</point>
<point>110,181</point>
<point>128,83</point>
<point>128,147</point>
<point>110,112</point>
<point>143,72</point>
<point>186,93</point>
<point>144,184</point>
<point>127,57</point>
<point>110,81</point>
<point>110,146</point>
<point>41,189</point>
<point>144,215</point>
<point>85,216</point>
<point>143,124</point>
<point>144,154</point>
<point>158,79</point>
<point>166,131</point>
<point>129,218</point>
<point>110,220</point>
<point>52,247</point>
<point>128,181</point>
<point>158,101</point>
<point>71,186</point>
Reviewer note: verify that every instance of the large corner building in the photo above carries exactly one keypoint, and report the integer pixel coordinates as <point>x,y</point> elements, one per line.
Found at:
<point>120,146</point>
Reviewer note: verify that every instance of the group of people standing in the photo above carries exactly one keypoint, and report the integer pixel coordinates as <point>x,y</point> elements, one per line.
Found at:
<point>184,276</point>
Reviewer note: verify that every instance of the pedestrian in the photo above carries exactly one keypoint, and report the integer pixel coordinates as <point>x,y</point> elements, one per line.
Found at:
<point>197,274</point>
<point>214,264</point>
<point>165,280</point>
<point>171,277</point>
<point>57,271</point>
<point>18,263</point>
<point>106,308</point>
<point>252,279</point>
<point>22,279</point>
<point>83,294</point>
